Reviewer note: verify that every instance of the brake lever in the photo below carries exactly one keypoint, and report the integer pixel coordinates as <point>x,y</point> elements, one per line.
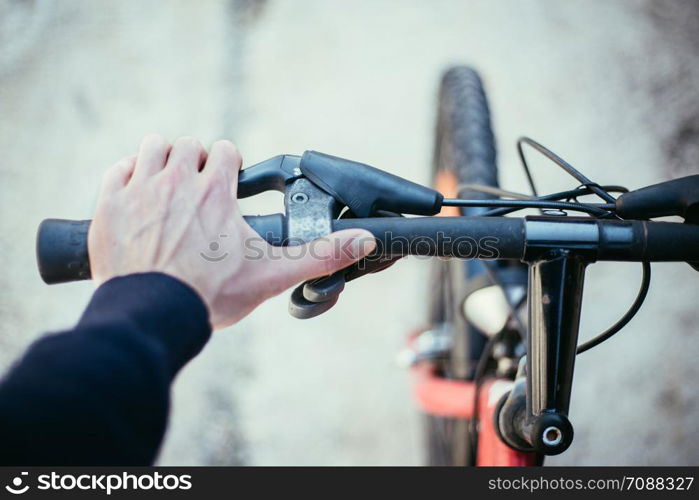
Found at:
<point>308,220</point>
<point>301,308</point>
<point>274,174</point>
<point>314,297</point>
<point>325,288</point>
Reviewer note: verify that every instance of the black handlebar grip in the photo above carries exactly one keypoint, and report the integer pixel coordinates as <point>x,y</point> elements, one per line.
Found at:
<point>61,245</point>
<point>675,197</point>
<point>61,250</point>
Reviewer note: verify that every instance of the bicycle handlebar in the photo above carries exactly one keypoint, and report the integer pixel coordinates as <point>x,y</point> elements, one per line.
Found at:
<point>317,186</point>
<point>62,253</point>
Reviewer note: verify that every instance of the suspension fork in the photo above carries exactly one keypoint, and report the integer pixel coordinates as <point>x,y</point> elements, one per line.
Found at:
<point>534,415</point>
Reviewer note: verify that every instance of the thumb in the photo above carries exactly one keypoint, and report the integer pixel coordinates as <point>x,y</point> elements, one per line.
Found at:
<point>322,256</point>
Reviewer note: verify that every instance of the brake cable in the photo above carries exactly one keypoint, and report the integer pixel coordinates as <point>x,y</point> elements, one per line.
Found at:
<point>598,209</point>
<point>562,195</point>
<point>567,167</point>
<point>568,195</point>
<point>499,192</point>
<point>624,320</point>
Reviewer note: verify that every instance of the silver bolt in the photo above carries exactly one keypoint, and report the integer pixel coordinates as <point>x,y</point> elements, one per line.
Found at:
<point>552,436</point>
<point>559,213</point>
<point>299,197</point>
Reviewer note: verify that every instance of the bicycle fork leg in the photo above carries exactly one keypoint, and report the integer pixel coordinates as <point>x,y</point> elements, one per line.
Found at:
<point>537,418</point>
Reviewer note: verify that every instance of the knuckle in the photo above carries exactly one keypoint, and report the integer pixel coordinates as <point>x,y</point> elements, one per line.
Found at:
<point>124,163</point>
<point>107,203</point>
<point>189,141</point>
<point>155,140</point>
<point>109,172</point>
<point>118,169</point>
<point>230,149</point>
<point>224,143</point>
<point>154,143</point>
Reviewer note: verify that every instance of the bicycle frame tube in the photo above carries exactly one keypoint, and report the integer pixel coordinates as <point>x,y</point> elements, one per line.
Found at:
<point>454,399</point>
<point>492,451</point>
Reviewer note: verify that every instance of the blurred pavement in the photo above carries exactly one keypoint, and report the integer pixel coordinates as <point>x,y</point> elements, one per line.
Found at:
<point>610,86</point>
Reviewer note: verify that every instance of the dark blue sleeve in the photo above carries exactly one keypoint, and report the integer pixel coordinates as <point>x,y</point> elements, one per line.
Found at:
<point>99,393</point>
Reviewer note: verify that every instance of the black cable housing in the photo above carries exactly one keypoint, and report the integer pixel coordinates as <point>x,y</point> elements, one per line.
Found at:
<point>624,320</point>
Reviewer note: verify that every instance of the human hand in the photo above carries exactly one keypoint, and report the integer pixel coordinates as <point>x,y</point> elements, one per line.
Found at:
<point>161,210</point>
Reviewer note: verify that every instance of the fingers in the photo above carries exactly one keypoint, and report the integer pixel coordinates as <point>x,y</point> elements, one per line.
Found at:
<point>187,155</point>
<point>224,157</point>
<point>320,257</point>
<point>152,156</point>
<point>118,175</point>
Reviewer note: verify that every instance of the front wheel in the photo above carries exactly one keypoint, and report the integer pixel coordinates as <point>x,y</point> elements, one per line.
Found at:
<point>464,153</point>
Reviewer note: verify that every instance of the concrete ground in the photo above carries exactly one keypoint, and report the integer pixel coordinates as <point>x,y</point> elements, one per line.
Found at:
<point>611,86</point>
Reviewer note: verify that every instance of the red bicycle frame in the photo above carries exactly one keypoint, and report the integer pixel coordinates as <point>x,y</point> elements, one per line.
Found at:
<point>454,399</point>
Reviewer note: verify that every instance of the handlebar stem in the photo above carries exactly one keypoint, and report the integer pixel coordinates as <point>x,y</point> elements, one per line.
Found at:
<point>534,414</point>
<point>555,300</point>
